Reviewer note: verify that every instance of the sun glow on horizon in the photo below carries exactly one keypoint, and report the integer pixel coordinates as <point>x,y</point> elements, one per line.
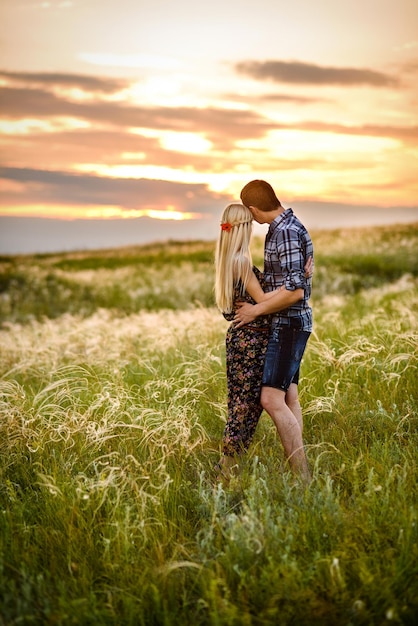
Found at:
<point>98,212</point>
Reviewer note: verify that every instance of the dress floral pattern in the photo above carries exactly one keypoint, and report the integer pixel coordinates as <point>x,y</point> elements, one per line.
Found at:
<point>245,353</point>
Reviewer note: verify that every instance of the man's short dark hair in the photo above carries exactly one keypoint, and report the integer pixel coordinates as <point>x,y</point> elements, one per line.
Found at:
<point>260,194</point>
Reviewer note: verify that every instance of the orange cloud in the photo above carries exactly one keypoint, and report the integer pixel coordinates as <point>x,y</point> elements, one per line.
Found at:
<point>309,73</point>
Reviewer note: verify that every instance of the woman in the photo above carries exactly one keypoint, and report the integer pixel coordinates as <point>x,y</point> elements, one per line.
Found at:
<point>237,280</point>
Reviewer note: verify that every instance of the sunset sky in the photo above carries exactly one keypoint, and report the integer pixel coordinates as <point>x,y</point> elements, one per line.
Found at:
<point>164,110</point>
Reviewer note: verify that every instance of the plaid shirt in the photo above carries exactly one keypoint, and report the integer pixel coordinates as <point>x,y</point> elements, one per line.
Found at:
<point>287,248</point>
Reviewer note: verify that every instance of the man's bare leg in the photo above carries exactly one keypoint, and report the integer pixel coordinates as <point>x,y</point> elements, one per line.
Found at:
<point>287,425</point>
<point>292,401</point>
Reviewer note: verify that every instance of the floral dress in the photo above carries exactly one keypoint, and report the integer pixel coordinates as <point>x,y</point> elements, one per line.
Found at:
<point>245,353</point>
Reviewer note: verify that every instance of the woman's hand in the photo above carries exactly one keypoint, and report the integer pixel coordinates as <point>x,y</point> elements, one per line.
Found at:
<point>309,268</point>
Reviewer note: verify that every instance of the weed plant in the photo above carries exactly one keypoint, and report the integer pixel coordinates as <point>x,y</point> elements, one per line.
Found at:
<point>111,423</point>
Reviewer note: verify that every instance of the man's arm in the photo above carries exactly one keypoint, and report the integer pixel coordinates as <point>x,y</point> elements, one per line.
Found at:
<point>271,302</point>
<point>282,299</point>
<point>258,295</point>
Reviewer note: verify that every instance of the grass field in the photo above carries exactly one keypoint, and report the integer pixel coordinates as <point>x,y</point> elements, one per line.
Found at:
<point>112,407</point>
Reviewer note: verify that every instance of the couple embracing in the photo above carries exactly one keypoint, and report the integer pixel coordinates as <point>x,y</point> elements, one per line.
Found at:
<point>271,321</point>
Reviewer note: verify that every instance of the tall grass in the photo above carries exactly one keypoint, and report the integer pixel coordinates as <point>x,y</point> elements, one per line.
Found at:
<point>179,275</point>
<point>109,513</point>
<point>173,275</point>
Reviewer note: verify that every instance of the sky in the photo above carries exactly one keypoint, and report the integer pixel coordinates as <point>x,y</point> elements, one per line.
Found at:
<point>125,121</point>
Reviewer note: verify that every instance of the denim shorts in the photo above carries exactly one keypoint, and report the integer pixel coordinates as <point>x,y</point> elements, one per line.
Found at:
<point>284,354</point>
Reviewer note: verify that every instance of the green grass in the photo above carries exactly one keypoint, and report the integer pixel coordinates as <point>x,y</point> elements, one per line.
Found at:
<point>110,424</point>
<point>179,275</point>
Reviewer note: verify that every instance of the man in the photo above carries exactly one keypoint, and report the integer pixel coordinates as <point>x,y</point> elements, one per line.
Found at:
<point>288,247</point>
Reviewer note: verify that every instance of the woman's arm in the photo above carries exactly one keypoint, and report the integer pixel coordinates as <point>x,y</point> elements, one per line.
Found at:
<point>254,289</point>
<point>282,299</point>
<point>258,295</point>
<point>270,302</point>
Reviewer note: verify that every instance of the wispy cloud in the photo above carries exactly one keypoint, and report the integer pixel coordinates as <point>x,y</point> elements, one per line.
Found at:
<point>62,4</point>
<point>406,134</point>
<point>93,84</point>
<point>143,61</point>
<point>408,45</point>
<point>221,126</point>
<point>297,72</point>
<point>89,145</point>
<point>35,186</point>
<point>274,97</point>
<point>410,67</point>
<point>112,152</point>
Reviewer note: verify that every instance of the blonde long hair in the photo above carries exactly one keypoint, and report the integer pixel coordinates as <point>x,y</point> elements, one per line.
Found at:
<point>233,260</point>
